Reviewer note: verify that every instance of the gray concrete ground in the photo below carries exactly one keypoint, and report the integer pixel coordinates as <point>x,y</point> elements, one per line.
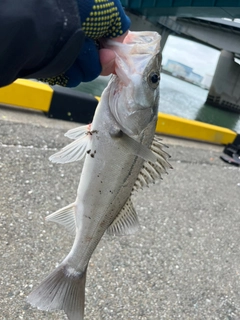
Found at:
<point>184,263</point>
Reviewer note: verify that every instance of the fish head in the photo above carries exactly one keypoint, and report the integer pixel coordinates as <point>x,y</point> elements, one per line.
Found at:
<point>134,90</point>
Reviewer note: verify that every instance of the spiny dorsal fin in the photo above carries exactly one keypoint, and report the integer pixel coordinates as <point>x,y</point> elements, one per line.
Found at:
<point>126,222</point>
<point>153,170</point>
<point>65,217</point>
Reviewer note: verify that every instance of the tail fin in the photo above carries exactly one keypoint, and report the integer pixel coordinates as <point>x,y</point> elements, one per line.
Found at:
<point>63,289</point>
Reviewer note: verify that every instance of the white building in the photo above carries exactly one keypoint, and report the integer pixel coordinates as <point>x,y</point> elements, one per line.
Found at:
<point>207,80</point>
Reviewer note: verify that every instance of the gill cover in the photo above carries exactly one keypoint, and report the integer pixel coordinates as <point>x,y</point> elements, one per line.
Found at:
<point>133,101</point>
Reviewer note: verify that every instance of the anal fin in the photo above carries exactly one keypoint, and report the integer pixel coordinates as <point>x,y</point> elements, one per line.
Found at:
<point>65,217</point>
<point>126,223</point>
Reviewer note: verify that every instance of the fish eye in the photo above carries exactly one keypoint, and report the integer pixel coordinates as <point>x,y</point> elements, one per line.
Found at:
<point>154,79</point>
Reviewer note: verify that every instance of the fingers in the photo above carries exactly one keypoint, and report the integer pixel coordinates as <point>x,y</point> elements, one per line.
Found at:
<point>107,57</point>
<point>107,60</point>
<point>121,38</point>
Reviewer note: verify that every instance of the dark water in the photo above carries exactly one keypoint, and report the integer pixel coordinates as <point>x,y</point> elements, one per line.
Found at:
<point>181,99</point>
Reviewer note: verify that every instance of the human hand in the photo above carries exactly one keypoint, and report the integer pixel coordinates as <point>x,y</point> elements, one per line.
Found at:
<point>107,57</point>
<point>100,19</point>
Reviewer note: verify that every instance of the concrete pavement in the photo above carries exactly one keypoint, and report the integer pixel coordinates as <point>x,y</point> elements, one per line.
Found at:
<point>184,263</point>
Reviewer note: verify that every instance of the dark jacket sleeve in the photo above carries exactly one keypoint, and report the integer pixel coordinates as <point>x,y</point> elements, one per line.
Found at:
<point>38,38</point>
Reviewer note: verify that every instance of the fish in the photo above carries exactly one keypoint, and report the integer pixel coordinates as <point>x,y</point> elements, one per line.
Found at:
<point>121,155</point>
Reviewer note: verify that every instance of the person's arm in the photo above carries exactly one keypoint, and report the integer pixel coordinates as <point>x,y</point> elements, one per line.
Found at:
<point>38,38</point>
<point>100,19</point>
<point>53,39</point>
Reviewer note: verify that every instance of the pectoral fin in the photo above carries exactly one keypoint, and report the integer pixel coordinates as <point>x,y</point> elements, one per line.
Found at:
<point>132,146</point>
<point>138,149</point>
<point>126,223</point>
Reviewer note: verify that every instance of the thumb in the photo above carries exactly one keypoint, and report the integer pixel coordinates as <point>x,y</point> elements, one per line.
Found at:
<point>107,60</point>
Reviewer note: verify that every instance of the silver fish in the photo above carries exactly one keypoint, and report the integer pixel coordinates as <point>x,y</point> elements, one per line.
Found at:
<point>121,156</point>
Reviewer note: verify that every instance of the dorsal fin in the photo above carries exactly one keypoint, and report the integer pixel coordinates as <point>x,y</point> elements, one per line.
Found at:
<point>153,170</point>
<point>126,222</point>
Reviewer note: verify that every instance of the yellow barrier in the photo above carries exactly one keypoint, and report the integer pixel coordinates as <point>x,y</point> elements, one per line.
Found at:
<point>190,129</point>
<point>57,102</point>
<point>61,101</point>
<point>27,94</point>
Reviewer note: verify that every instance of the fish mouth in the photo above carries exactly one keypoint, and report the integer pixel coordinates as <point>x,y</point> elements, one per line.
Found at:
<point>133,54</point>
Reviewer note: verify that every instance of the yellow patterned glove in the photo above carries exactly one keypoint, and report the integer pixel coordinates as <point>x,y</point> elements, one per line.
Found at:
<point>103,18</point>
<point>99,19</point>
